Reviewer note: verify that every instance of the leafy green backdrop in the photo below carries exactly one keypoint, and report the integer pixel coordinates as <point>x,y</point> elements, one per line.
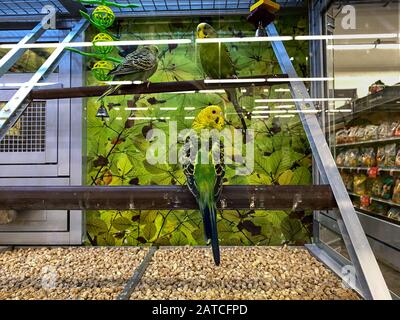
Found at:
<point>116,147</point>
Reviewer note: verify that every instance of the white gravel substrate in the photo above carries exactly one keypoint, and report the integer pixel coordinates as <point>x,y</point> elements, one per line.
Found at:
<point>245,273</point>
<point>67,273</point>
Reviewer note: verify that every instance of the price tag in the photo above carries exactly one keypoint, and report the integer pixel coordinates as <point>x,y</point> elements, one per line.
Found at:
<point>372,172</point>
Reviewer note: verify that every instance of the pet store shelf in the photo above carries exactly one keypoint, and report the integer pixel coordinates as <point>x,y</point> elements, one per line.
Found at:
<point>357,169</point>
<point>369,142</point>
<point>386,100</point>
<point>265,197</point>
<point>388,202</point>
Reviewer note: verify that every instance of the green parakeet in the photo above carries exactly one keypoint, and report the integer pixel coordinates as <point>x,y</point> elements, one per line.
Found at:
<point>217,64</point>
<point>139,65</point>
<point>204,170</point>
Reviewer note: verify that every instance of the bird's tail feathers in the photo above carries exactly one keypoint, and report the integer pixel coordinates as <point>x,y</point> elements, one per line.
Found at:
<point>209,212</point>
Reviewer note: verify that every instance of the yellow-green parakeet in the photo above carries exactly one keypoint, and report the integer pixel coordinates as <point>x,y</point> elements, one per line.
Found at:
<point>217,64</point>
<point>139,65</point>
<point>204,178</point>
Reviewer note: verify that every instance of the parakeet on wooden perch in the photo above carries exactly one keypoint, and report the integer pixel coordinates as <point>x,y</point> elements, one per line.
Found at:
<point>139,65</point>
<point>204,178</point>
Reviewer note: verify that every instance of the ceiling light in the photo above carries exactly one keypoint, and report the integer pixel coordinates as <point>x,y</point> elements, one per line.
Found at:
<point>300,79</point>
<point>282,90</point>
<point>302,100</point>
<point>339,110</point>
<point>89,44</point>
<point>285,116</point>
<point>260,117</point>
<point>142,42</point>
<point>23,84</point>
<point>363,46</point>
<point>270,111</point>
<point>244,39</point>
<point>285,106</point>
<point>348,36</point>
<point>140,118</point>
<point>234,80</point>
<point>303,111</point>
<point>213,91</point>
<point>180,92</point>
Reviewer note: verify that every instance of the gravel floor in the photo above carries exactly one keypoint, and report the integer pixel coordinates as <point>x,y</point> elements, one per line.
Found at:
<point>244,273</point>
<point>67,273</point>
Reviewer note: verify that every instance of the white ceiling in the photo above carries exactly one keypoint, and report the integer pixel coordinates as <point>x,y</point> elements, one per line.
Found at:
<point>369,19</point>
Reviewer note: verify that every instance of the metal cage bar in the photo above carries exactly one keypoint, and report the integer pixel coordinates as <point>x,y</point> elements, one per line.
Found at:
<point>15,107</point>
<point>369,274</point>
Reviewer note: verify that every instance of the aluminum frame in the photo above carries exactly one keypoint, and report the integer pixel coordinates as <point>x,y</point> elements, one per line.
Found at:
<point>369,275</point>
<point>14,54</point>
<point>13,110</point>
<point>61,227</point>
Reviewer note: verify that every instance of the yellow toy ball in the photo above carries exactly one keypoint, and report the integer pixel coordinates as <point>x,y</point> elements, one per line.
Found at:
<point>103,16</point>
<point>102,37</point>
<point>101,69</point>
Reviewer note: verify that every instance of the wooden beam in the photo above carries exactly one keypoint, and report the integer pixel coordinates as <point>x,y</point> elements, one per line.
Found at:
<point>145,88</point>
<point>164,198</point>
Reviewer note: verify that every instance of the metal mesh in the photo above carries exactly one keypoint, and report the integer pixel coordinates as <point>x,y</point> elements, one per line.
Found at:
<point>26,7</point>
<point>29,133</point>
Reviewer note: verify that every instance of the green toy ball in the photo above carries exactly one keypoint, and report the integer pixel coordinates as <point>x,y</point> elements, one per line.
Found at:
<point>102,37</point>
<point>101,69</point>
<point>103,16</point>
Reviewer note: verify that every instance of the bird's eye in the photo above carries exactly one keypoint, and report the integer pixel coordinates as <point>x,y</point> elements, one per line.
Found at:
<point>214,111</point>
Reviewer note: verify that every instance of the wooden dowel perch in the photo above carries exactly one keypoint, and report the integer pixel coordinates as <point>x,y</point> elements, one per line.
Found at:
<point>159,87</point>
<point>317,197</point>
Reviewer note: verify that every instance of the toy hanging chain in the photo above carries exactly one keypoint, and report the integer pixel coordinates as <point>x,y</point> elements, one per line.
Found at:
<point>102,18</point>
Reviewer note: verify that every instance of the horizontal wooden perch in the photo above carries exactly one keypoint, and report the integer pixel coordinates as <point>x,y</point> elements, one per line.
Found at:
<point>318,197</point>
<point>158,87</point>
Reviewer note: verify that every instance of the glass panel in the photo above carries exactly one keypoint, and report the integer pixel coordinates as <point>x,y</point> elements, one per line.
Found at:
<point>365,130</point>
<point>363,121</point>
<point>30,61</point>
<point>119,146</point>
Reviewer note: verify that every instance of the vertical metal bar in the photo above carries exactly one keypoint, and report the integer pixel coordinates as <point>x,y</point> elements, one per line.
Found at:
<point>14,108</point>
<point>368,272</point>
<point>14,54</point>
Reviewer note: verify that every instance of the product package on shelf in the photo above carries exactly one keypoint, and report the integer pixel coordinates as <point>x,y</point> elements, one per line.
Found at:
<point>390,155</point>
<point>347,180</point>
<point>340,159</point>
<point>380,156</point>
<point>370,132</point>
<point>383,130</point>
<point>394,213</point>
<point>351,158</point>
<point>387,189</point>
<point>368,157</point>
<point>360,184</point>
<point>341,136</point>
<point>396,191</point>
